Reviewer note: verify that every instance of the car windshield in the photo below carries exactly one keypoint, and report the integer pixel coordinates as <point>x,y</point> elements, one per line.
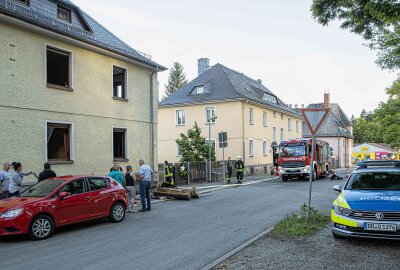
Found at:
<point>292,150</point>
<point>374,181</point>
<point>42,189</point>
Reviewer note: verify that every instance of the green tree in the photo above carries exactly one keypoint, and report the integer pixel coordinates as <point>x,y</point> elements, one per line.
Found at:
<point>193,146</point>
<point>376,21</point>
<point>176,79</point>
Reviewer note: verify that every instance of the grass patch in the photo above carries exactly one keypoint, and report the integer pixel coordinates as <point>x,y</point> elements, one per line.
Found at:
<point>296,224</point>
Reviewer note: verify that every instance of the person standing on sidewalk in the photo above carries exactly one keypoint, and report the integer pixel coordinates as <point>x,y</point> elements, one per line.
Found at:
<point>17,179</point>
<point>116,174</point>
<point>130,188</point>
<point>169,174</point>
<point>145,174</point>
<point>229,169</point>
<point>46,173</point>
<point>5,179</point>
<point>239,166</point>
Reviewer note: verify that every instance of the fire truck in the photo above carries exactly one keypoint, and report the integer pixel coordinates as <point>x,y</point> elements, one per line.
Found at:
<point>294,159</point>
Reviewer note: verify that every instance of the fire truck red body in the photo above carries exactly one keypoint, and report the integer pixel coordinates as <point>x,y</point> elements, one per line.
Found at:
<point>294,159</point>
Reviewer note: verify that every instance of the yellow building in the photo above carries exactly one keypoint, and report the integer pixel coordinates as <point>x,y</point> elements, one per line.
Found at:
<point>252,115</point>
<point>374,151</point>
<point>72,93</point>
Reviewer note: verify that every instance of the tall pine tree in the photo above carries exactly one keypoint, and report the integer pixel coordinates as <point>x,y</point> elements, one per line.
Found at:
<point>176,79</point>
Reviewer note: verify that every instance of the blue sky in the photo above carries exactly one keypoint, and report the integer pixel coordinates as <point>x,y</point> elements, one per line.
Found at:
<point>275,41</point>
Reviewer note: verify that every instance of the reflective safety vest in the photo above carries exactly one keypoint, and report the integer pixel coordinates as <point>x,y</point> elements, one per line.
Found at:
<point>239,166</point>
<point>168,170</point>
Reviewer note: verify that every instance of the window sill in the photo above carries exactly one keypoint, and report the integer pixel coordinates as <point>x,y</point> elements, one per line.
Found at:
<point>121,159</point>
<point>120,99</point>
<point>60,162</point>
<point>59,87</point>
<point>251,156</point>
<point>181,125</point>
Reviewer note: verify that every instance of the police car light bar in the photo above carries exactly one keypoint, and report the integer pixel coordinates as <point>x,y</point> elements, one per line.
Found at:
<point>379,163</point>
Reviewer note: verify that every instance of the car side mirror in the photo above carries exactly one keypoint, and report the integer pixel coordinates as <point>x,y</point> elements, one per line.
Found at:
<point>337,188</point>
<point>62,195</point>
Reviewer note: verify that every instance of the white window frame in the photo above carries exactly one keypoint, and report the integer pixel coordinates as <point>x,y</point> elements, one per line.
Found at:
<point>71,138</point>
<point>126,141</point>
<point>282,116</point>
<point>71,65</point>
<point>274,114</point>
<point>177,118</point>
<point>274,134</point>
<point>251,115</point>
<point>126,81</point>
<point>251,147</point>
<point>206,115</point>
<point>289,124</point>
<point>297,126</point>
<point>282,134</point>
<point>178,151</point>
<point>265,120</point>
<point>264,148</point>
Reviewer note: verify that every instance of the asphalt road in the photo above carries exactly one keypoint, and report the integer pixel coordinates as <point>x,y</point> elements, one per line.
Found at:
<point>174,235</point>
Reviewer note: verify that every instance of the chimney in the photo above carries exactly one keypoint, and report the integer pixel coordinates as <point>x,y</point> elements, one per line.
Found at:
<point>202,65</point>
<point>327,101</point>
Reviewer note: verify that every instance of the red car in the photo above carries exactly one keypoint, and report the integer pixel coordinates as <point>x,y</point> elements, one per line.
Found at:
<point>61,201</point>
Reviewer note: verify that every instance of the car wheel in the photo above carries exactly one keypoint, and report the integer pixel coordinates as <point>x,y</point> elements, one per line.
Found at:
<point>41,227</point>
<point>117,213</point>
<point>337,236</point>
<point>284,178</point>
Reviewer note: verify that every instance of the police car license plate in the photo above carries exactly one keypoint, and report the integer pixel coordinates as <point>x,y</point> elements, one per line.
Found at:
<point>385,227</point>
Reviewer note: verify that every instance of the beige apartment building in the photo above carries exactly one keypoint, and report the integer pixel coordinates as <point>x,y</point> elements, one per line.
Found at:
<point>251,114</point>
<point>72,93</point>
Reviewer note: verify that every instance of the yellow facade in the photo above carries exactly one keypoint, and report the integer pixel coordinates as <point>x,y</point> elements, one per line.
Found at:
<point>234,118</point>
<point>27,103</point>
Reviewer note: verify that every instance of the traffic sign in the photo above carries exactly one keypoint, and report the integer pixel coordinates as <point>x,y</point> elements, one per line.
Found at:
<point>223,139</point>
<point>314,117</point>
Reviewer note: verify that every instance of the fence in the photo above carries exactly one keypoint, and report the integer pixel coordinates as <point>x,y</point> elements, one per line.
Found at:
<point>197,171</point>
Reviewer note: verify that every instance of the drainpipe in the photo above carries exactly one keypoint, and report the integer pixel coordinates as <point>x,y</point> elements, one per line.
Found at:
<point>152,139</point>
<point>243,133</point>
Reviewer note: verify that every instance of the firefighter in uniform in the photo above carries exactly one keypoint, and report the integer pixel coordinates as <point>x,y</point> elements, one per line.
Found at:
<point>169,175</point>
<point>239,166</point>
<point>183,171</point>
<point>229,169</point>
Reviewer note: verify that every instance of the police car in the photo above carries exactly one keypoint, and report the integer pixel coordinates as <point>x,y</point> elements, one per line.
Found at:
<point>369,203</point>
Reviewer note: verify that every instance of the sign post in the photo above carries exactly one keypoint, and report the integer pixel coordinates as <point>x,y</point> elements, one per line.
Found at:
<point>314,117</point>
<point>223,143</point>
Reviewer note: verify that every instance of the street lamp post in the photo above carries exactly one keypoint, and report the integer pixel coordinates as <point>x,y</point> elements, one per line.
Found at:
<point>209,146</point>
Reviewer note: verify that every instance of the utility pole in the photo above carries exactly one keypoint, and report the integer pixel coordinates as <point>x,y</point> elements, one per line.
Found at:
<point>210,118</point>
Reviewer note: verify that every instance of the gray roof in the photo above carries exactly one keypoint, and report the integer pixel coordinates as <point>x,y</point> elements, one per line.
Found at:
<point>221,84</point>
<point>43,13</point>
<point>335,125</point>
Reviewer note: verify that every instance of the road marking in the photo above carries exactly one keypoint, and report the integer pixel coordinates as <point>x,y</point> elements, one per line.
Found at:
<point>236,250</point>
<point>209,189</point>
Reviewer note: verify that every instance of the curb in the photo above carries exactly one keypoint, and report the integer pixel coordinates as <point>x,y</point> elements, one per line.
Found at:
<point>236,250</point>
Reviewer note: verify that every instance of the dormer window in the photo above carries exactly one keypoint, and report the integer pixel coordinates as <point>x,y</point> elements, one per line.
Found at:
<point>198,90</point>
<point>269,98</point>
<point>63,14</point>
<point>25,2</point>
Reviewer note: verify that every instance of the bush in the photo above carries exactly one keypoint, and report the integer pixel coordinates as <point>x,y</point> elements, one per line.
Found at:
<point>296,224</point>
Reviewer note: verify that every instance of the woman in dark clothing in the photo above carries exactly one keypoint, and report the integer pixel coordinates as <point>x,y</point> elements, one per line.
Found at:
<point>130,188</point>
